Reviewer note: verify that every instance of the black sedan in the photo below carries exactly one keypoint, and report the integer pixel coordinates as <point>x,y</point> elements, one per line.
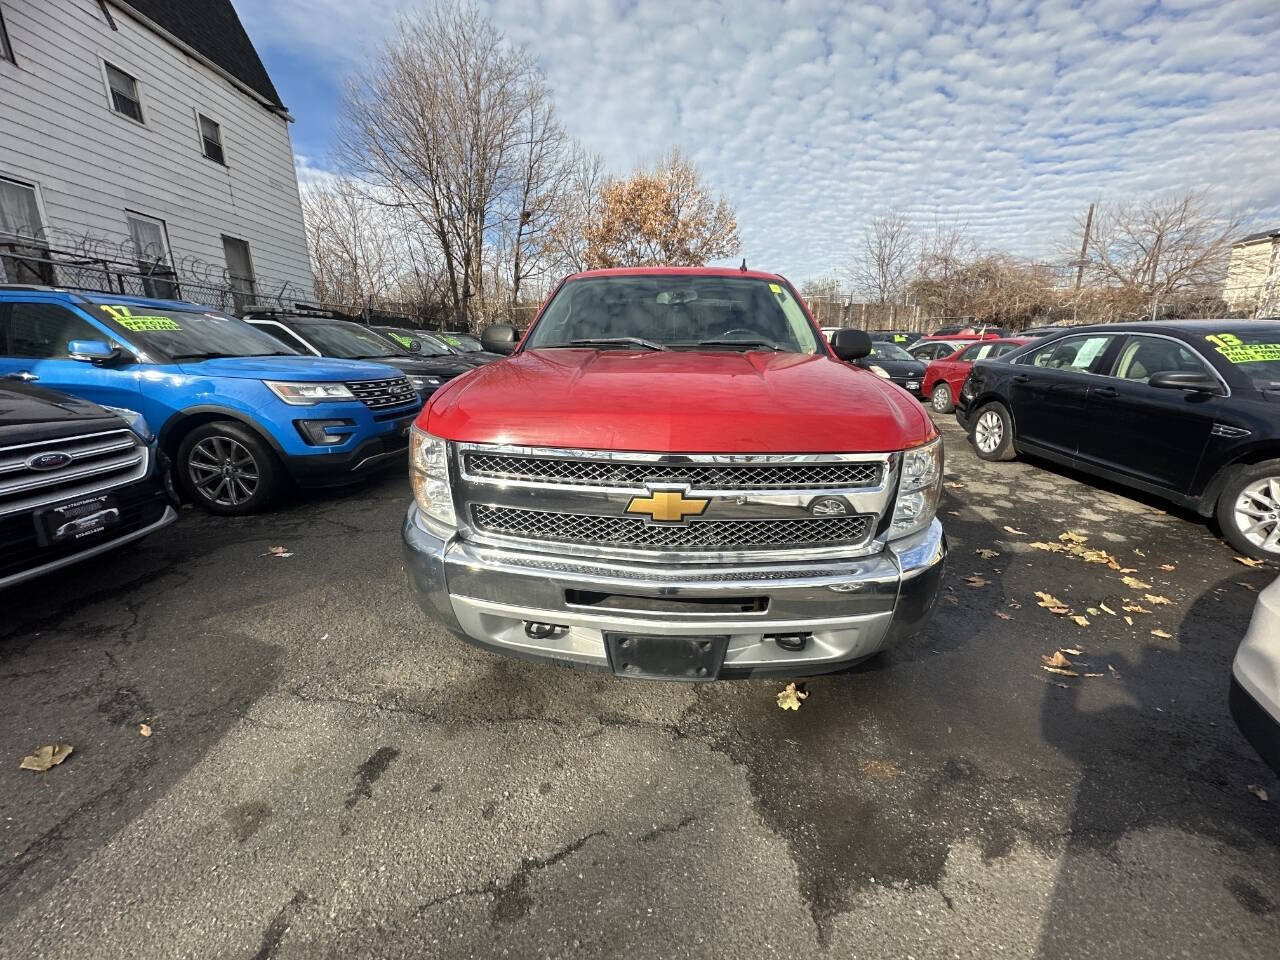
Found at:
<point>1188,410</point>
<point>890,361</point>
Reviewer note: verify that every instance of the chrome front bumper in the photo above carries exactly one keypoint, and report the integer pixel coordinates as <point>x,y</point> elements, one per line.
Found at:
<point>850,608</point>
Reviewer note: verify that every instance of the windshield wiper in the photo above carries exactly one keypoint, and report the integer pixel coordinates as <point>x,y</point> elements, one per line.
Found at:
<point>764,344</point>
<point>612,342</point>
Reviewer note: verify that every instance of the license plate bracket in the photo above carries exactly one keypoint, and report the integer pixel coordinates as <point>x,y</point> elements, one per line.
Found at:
<point>689,659</point>
<point>76,520</point>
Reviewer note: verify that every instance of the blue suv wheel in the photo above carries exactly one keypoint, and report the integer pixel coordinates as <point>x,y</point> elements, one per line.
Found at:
<point>226,468</point>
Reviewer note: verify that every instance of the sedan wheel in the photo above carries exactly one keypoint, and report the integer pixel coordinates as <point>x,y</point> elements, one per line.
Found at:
<point>223,471</point>
<point>1257,514</point>
<point>988,432</point>
<point>942,398</point>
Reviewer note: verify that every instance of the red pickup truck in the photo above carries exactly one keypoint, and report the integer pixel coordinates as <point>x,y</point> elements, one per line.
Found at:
<point>674,475</point>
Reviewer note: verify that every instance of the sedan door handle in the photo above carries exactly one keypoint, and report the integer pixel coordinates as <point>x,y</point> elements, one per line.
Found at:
<point>26,376</point>
<point>1107,393</point>
<point>1022,378</point>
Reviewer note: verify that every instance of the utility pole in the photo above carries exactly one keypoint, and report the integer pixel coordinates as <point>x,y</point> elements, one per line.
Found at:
<point>1084,247</point>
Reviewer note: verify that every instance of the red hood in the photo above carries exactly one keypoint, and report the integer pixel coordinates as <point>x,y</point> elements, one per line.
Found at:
<point>677,402</point>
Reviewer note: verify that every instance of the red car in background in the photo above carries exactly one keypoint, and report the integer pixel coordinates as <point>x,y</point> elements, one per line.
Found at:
<point>944,377</point>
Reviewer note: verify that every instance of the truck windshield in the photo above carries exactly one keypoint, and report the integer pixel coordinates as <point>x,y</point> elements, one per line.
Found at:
<point>674,312</point>
<point>191,334</point>
<point>348,341</point>
<point>1254,352</point>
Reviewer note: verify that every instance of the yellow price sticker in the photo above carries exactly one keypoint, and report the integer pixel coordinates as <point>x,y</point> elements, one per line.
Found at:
<point>1236,350</point>
<point>775,288</point>
<point>139,322</point>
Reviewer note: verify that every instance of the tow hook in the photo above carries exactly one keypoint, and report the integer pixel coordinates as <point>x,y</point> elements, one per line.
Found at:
<point>542,631</point>
<point>793,642</point>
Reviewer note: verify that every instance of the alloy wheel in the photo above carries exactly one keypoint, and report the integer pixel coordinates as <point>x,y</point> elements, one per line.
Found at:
<point>1257,514</point>
<point>223,470</point>
<point>988,432</point>
<point>941,397</point>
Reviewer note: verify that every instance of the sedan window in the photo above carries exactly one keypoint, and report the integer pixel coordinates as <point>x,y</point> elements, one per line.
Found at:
<point>1143,357</point>
<point>1076,354</point>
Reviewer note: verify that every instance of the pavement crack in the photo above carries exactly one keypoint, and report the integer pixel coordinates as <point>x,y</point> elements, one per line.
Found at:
<point>279,926</point>
<point>666,828</point>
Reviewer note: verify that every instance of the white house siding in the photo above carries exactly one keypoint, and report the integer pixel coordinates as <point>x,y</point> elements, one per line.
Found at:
<point>57,129</point>
<point>1249,272</point>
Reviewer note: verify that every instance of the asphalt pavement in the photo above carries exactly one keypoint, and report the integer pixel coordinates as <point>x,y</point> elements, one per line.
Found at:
<point>329,774</point>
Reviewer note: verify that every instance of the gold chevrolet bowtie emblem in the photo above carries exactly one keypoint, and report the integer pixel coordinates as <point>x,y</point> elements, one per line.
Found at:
<point>667,506</point>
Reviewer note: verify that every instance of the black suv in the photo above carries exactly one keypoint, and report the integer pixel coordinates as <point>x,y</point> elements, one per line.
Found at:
<point>324,335</point>
<point>1189,410</point>
<point>76,479</point>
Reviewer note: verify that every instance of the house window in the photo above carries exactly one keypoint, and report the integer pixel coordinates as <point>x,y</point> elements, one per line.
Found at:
<point>124,93</point>
<point>239,271</point>
<point>151,251</point>
<point>211,139</point>
<point>24,256</point>
<point>6,48</point>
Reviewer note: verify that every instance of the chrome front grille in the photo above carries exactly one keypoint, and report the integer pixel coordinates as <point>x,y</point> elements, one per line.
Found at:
<point>377,394</point>
<point>95,461</point>
<point>700,535</point>
<point>564,471</point>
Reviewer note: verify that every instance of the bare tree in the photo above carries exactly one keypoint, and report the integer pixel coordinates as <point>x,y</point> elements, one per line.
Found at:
<point>353,245</point>
<point>564,245</point>
<point>436,126</point>
<point>884,259</point>
<point>1154,253</point>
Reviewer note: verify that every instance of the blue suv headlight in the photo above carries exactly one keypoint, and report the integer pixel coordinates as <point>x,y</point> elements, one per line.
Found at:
<point>136,421</point>
<point>308,394</point>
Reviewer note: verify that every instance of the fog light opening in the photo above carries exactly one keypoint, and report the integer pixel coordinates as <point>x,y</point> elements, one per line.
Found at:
<point>535,630</point>
<point>791,642</point>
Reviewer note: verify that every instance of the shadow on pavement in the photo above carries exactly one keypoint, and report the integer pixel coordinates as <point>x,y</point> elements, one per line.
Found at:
<point>1167,758</point>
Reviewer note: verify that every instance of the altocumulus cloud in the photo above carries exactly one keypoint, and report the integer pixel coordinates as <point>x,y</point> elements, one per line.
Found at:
<point>1009,116</point>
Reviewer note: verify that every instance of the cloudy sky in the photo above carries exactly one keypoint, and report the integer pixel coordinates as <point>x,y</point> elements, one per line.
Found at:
<point>813,116</point>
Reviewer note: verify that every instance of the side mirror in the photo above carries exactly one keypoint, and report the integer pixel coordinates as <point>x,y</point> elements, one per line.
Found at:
<point>1184,380</point>
<point>92,351</point>
<point>849,344</point>
<point>500,338</point>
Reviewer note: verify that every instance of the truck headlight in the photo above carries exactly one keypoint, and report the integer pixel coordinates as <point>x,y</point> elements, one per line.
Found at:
<point>307,394</point>
<point>879,371</point>
<point>919,489</point>
<point>429,475</point>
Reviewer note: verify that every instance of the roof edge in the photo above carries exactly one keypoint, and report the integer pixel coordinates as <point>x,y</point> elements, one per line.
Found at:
<point>195,54</point>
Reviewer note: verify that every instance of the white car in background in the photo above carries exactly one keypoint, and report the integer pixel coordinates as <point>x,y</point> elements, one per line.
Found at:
<point>1255,679</point>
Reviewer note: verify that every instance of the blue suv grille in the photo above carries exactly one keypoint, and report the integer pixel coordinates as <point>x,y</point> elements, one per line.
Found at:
<point>377,394</point>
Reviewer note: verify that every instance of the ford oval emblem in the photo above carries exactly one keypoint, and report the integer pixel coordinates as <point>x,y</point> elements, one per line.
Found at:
<point>53,460</point>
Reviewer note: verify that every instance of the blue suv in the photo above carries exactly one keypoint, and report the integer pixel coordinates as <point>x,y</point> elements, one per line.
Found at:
<point>238,412</point>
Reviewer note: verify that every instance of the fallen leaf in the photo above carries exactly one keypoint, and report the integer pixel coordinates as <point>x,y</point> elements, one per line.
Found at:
<point>277,552</point>
<point>986,554</point>
<point>954,513</point>
<point>1114,672</point>
<point>1259,792</point>
<point>1135,608</point>
<point>1004,616</point>
<point>1017,533</point>
<point>1106,609</point>
<point>974,580</point>
<point>1155,599</point>
<point>1138,552</point>
<point>1048,599</point>
<point>1247,586</point>
<point>1059,610</point>
<point>1014,605</point>
<point>1057,660</point>
<point>45,757</point>
<point>1135,584</point>
<point>1092,611</point>
<point>1129,620</point>
<point>1161,634</point>
<point>1065,673</point>
<point>956,486</point>
<point>1168,567</point>
<point>1079,620</point>
<point>1094,674</point>
<point>951,599</point>
<point>144,729</point>
<point>1072,651</point>
<point>1247,561</point>
<point>1051,547</point>
<point>790,698</point>
<point>1114,565</point>
<point>1072,537</point>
